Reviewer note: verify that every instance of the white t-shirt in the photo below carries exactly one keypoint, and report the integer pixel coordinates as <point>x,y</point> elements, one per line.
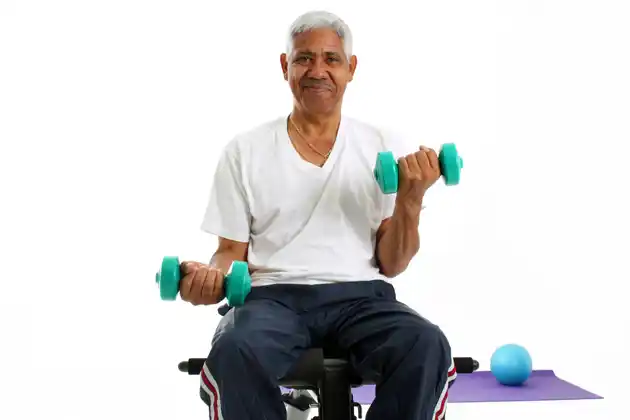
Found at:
<point>305,224</point>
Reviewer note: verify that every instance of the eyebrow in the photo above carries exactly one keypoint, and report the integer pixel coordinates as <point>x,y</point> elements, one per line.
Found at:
<point>311,53</point>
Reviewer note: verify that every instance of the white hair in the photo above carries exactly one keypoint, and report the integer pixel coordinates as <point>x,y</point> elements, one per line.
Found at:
<point>320,19</point>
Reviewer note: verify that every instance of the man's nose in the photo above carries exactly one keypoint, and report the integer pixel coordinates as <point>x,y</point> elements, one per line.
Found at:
<point>318,69</point>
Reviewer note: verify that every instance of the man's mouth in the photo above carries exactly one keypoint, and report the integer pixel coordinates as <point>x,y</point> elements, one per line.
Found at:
<point>318,88</point>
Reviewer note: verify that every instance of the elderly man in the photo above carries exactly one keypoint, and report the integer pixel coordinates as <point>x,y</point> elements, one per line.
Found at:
<point>296,198</point>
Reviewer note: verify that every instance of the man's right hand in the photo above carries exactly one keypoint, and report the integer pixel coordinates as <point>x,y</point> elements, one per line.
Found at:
<point>201,284</point>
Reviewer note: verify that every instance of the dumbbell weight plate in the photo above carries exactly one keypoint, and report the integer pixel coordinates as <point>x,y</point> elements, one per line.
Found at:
<point>238,283</point>
<point>450,164</point>
<point>168,278</point>
<point>386,172</point>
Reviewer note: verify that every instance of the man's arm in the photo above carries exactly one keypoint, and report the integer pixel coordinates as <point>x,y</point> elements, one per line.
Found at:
<point>398,239</point>
<point>227,252</point>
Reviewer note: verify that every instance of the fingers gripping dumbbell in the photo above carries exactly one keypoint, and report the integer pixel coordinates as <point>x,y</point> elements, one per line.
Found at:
<point>386,168</point>
<point>237,282</point>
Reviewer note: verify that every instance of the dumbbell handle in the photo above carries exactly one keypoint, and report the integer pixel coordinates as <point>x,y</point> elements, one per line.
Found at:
<point>238,269</point>
<point>225,276</point>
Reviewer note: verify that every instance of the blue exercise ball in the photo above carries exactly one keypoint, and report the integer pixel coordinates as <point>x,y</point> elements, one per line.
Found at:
<point>511,364</point>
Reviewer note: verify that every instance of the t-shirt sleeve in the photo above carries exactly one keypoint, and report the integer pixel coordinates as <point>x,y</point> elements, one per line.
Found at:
<point>227,213</point>
<point>400,145</point>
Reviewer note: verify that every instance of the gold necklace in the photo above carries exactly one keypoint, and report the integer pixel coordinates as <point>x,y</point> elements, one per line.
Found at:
<point>325,156</point>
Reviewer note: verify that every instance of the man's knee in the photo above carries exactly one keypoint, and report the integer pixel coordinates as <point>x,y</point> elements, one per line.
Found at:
<point>229,343</point>
<point>234,335</point>
<point>249,348</point>
<point>426,338</point>
<point>435,336</point>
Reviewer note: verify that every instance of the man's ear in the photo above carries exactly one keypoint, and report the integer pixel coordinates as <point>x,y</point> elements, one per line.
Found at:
<point>353,66</point>
<point>285,66</point>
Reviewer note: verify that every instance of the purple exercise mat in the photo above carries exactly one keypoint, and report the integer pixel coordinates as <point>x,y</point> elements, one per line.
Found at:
<point>542,385</point>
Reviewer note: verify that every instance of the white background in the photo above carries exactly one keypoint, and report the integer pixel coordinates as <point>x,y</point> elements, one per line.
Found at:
<point>112,115</point>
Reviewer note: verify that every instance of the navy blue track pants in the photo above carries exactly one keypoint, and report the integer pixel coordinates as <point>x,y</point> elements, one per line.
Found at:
<point>408,357</point>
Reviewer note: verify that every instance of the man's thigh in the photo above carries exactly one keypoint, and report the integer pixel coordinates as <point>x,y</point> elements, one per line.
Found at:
<point>379,332</point>
<point>266,330</point>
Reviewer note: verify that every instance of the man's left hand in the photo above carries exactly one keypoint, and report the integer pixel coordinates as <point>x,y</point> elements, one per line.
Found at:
<point>417,173</point>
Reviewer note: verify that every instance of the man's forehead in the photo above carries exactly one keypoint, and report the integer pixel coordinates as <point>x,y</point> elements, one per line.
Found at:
<point>318,40</point>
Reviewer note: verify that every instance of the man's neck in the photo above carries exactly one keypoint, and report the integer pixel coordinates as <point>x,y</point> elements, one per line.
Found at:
<point>312,125</point>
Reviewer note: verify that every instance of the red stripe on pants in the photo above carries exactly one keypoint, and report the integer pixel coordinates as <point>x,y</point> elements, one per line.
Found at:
<point>214,409</point>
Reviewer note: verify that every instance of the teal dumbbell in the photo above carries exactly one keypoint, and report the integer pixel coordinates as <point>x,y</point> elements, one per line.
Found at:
<point>386,168</point>
<point>237,283</point>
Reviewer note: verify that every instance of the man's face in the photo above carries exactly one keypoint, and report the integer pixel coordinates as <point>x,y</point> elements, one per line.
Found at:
<point>318,70</point>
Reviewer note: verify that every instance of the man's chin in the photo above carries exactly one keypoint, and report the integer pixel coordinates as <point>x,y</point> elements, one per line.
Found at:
<point>319,107</point>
